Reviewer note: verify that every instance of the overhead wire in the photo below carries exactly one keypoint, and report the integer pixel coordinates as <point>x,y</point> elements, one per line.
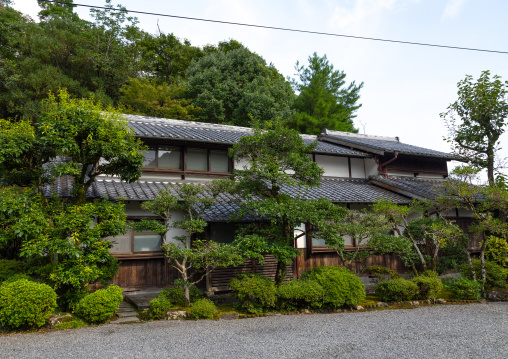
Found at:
<point>278,28</point>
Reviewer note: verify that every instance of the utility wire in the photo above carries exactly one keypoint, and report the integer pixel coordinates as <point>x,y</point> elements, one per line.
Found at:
<point>278,28</point>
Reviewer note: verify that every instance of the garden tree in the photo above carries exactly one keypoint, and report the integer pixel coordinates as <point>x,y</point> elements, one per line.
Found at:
<point>62,242</point>
<point>146,97</point>
<point>477,120</point>
<point>273,188</point>
<point>191,255</point>
<point>359,226</point>
<point>488,205</point>
<point>231,87</point>
<point>165,57</point>
<point>324,100</point>
<point>400,246</point>
<point>435,233</point>
<point>97,140</point>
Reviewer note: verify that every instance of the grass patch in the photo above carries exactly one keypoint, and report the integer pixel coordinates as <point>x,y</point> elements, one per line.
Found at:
<point>73,324</point>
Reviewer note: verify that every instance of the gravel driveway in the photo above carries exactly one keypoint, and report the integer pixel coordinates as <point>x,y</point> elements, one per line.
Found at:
<point>447,331</point>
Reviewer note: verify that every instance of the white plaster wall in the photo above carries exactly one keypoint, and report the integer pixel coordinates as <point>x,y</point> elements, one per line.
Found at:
<point>241,163</point>
<point>302,241</point>
<point>173,232</point>
<point>333,166</point>
<point>133,208</point>
<point>357,168</point>
<point>370,167</point>
<point>160,177</point>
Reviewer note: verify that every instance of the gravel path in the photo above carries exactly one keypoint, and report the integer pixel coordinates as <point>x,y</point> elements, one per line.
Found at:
<point>447,331</point>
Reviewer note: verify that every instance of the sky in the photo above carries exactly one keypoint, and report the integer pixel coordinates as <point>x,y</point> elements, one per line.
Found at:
<point>406,87</point>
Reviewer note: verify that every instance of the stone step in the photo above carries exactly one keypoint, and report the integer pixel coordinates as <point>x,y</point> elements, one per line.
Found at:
<point>123,310</point>
<point>125,320</point>
<point>127,314</point>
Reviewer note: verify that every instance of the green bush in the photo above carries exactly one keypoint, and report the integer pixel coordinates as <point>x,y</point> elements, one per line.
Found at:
<point>158,308</point>
<point>255,293</point>
<point>203,309</point>
<point>25,304</point>
<point>497,250</point>
<point>496,275</point>
<point>8,268</point>
<point>340,285</point>
<point>429,285</point>
<point>99,306</point>
<point>19,276</point>
<point>379,272</point>
<point>396,290</point>
<point>463,288</point>
<point>176,295</point>
<point>299,294</point>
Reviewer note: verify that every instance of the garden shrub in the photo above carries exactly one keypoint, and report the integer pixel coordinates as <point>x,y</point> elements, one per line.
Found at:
<point>379,272</point>
<point>99,306</point>
<point>496,275</point>
<point>176,295</point>
<point>396,290</point>
<point>158,307</point>
<point>9,267</point>
<point>429,285</point>
<point>255,293</point>
<point>340,285</point>
<point>497,250</point>
<point>19,276</point>
<point>203,309</point>
<point>25,304</point>
<point>463,288</point>
<point>299,294</point>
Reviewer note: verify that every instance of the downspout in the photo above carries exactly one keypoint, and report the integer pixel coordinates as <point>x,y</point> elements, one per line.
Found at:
<point>380,166</point>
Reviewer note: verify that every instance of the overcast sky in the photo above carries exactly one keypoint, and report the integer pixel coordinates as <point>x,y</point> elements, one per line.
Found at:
<point>406,87</point>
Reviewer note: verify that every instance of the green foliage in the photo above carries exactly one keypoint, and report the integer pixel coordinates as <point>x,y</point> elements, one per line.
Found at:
<point>158,307</point>
<point>497,250</point>
<point>477,120</point>
<point>299,294</point>
<point>25,304</point>
<point>99,306</point>
<point>379,272</point>
<point>429,285</point>
<point>401,246</point>
<point>463,288</point>
<point>340,285</point>
<point>496,276</point>
<point>184,254</point>
<point>233,86</point>
<point>19,276</point>
<point>203,309</point>
<point>396,290</point>
<point>9,268</point>
<point>255,293</point>
<point>278,159</point>
<point>324,100</point>
<point>73,324</point>
<point>176,295</point>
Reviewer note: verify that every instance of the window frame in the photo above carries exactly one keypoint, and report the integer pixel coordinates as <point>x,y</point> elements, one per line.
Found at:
<point>183,159</point>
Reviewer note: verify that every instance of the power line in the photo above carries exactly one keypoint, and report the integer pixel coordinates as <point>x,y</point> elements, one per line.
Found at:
<point>279,28</point>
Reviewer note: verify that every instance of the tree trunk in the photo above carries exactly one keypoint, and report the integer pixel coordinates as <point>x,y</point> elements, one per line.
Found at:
<point>280,275</point>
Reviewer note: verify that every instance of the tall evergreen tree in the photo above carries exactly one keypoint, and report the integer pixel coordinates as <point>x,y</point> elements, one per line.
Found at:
<point>324,100</point>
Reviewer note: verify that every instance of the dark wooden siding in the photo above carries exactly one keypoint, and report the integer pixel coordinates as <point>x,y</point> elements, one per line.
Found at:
<point>305,262</point>
<point>147,272</point>
<point>415,164</point>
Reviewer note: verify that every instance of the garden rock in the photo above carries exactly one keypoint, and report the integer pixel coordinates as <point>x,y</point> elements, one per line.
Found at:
<point>305,311</point>
<point>414,303</point>
<point>440,301</point>
<point>175,314</point>
<point>358,307</point>
<point>56,319</point>
<point>381,304</point>
<point>498,295</point>
<point>229,316</point>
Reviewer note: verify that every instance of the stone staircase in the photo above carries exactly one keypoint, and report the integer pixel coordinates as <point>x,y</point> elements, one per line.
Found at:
<point>126,314</point>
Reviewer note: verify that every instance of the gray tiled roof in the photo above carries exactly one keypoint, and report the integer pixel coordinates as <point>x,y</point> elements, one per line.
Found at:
<point>152,127</point>
<point>418,188</point>
<point>379,145</point>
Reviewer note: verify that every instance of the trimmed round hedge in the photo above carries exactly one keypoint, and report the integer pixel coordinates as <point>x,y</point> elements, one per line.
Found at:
<point>255,293</point>
<point>25,304</point>
<point>341,287</point>
<point>203,309</point>
<point>158,307</point>
<point>396,290</point>
<point>299,294</point>
<point>99,306</point>
<point>429,285</point>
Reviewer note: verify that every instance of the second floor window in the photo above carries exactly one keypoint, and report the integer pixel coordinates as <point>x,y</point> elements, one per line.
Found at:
<point>186,159</point>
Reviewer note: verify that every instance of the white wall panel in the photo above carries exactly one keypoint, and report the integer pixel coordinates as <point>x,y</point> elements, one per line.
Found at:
<point>333,166</point>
